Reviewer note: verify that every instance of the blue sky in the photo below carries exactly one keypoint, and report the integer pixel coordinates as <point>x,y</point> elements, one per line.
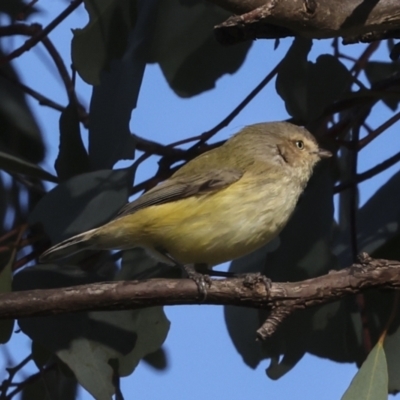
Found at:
<point>203,361</point>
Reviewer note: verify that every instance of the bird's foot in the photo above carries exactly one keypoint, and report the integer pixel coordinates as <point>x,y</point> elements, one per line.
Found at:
<point>201,280</point>
<point>253,278</point>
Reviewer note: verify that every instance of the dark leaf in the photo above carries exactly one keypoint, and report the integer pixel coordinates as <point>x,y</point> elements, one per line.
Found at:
<point>308,88</point>
<point>20,133</point>
<point>377,71</point>
<point>158,360</point>
<point>291,81</point>
<point>114,99</point>
<point>83,202</point>
<point>186,49</point>
<point>377,222</point>
<point>41,356</point>
<point>72,156</point>
<point>53,384</point>
<point>327,79</point>
<point>104,38</point>
<point>15,8</point>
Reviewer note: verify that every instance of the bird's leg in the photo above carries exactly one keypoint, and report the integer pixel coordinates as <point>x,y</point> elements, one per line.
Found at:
<point>202,280</point>
<point>199,274</point>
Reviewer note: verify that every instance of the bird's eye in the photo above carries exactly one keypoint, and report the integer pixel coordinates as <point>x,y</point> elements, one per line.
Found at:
<point>300,144</point>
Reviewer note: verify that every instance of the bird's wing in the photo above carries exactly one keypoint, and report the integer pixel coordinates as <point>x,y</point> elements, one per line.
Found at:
<point>180,187</point>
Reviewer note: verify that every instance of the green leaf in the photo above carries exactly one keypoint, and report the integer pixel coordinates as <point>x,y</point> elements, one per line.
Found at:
<point>72,157</point>
<point>371,381</point>
<point>392,351</point>
<point>184,44</point>
<point>104,38</point>
<point>377,71</point>
<point>89,362</point>
<point>151,326</point>
<point>308,88</point>
<point>82,203</point>
<point>17,165</point>
<point>20,134</point>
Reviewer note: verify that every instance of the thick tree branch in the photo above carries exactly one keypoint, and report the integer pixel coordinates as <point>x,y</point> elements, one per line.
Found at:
<point>282,298</point>
<point>353,20</point>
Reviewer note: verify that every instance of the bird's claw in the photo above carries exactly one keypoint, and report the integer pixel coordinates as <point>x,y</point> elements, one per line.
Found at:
<point>201,280</point>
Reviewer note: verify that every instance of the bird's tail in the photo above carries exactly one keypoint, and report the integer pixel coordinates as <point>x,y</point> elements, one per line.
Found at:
<point>68,247</point>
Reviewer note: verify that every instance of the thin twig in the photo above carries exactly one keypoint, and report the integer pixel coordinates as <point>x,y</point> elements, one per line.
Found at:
<point>43,100</point>
<point>28,381</point>
<point>369,173</point>
<point>360,64</point>
<point>209,134</point>
<point>33,30</point>
<point>12,371</point>
<point>374,134</point>
<point>42,33</point>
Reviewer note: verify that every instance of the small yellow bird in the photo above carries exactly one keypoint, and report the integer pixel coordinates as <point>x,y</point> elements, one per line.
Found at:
<point>220,206</point>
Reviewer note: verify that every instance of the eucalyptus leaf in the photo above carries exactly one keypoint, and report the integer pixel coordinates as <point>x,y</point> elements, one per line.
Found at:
<point>20,134</point>
<point>291,81</point>
<point>72,157</point>
<point>88,342</point>
<point>371,381</point>
<point>377,71</point>
<point>104,38</point>
<point>377,221</point>
<point>158,360</point>
<point>327,80</point>
<point>306,87</point>
<point>184,45</point>
<point>116,96</point>
<point>89,362</point>
<point>15,7</point>
<point>83,202</point>
<point>392,350</point>
<point>51,385</point>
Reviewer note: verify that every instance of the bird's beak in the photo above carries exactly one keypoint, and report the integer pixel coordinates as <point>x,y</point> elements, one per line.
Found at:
<point>324,153</point>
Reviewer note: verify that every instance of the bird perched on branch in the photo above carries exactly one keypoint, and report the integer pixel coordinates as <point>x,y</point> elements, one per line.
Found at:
<point>220,206</point>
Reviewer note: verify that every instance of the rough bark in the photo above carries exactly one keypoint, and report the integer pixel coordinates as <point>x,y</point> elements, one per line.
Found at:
<point>281,298</point>
<point>353,20</point>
